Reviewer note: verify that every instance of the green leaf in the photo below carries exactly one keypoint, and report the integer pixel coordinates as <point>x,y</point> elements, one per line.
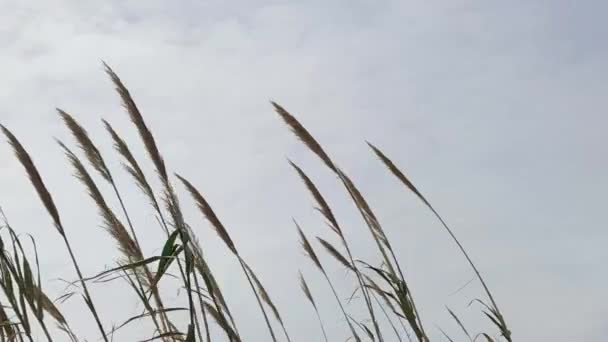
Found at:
<point>494,320</point>
<point>167,262</point>
<point>168,250</point>
<point>189,261</point>
<point>170,244</point>
<point>28,280</point>
<point>126,267</point>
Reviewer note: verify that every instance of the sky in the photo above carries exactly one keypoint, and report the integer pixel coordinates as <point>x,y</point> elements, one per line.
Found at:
<point>496,110</point>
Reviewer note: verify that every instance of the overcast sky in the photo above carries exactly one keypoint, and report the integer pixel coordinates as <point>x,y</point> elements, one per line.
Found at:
<point>496,109</point>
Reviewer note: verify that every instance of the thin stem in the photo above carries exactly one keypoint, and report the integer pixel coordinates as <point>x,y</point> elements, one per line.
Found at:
<point>466,255</point>
<point>387,317</point>
<point>141,293</point>
<point>181,269</point>
<point>257,297</point>
<point>84,287</point>
<point>191,307</point>
<point>350,325</point>
<point>371,225</point>
<point>200,302</point>
<point>210,287</point>
<point>197,326</point>
<point>153,286</point>
<point>321,323</point>
<point>390,248</point>
<point>363,289</point>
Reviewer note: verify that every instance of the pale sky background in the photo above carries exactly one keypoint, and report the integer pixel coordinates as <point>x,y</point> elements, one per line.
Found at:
<point>496,109</point>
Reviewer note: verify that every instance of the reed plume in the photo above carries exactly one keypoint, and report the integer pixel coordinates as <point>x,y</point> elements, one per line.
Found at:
<point>47,200</point>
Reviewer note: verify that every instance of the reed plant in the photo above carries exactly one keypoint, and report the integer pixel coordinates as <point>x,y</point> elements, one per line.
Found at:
<point>382,289</point>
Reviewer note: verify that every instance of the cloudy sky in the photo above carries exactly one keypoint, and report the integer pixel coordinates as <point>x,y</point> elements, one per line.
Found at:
<point>497,110</point>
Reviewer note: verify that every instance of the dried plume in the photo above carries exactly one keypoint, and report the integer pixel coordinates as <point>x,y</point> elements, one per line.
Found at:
<point>219,319</point>
<point>321,202</point>
<point>304,135</point>
<point>35,178</point>
<point>112,224</point>
<point>264,295</point>
<point>310,252</point>
<point>135,115</point>
<point>131,166</point>
<point>86,145</point>
<point>398,173</point>
<point>306,290</point>
<point>208,212</point>
<point>336,254</point>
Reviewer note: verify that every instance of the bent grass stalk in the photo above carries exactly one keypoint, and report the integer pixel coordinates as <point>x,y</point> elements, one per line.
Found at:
<point>22,288</point>
<point>48,202</point>
<point>502,325</point>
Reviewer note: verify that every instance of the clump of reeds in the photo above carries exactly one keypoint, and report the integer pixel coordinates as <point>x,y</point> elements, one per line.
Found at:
<point>26,309</point>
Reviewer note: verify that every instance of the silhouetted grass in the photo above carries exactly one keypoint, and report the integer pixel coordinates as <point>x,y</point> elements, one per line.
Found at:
<point>27,311</point>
